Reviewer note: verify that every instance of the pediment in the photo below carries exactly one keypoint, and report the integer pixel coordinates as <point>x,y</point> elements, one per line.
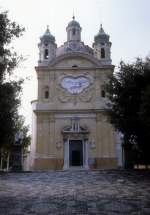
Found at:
<point>74,61</point>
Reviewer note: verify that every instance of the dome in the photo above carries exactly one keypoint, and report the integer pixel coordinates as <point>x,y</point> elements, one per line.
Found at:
<point>73,23</point>
<point>47,37</point>
<point>101,36</point>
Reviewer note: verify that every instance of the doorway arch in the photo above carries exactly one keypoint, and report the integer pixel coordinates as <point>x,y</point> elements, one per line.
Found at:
<point>75,140</point>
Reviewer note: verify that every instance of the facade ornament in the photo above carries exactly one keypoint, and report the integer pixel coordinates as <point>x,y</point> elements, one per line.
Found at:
<point>75,88</point>
<point>58,145</point>
<point>92,144</point>
<point>87,94</point>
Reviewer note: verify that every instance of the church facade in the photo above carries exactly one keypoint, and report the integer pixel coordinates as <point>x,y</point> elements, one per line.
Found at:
<point>70,122</point>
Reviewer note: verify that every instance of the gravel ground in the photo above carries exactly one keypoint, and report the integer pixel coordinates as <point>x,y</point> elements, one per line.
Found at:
<point>75,192</point>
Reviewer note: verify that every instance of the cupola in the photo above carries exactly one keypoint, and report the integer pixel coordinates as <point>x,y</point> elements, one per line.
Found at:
<point>73,30</point>
<point>47,37</point>
<point>101,37</point>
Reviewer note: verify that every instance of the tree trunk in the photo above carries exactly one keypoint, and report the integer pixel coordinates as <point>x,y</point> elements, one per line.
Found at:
<point>1,164</point>
<point>8,158</point>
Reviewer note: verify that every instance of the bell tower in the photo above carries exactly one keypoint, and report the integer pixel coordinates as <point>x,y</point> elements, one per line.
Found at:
<point>47,48</point>
<point>73,31</point>
<point>102,47</point>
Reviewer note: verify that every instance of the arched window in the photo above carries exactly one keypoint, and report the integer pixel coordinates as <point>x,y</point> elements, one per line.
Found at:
<point>73,31</point>
<point>46,95</point>
<point>46,54</point>
<point>102,53</point>
<point>74,66</point>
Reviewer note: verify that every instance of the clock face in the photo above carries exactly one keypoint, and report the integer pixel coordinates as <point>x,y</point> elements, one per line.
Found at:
<point>75,85</point>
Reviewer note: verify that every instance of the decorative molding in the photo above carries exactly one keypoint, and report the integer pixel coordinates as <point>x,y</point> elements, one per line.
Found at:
<point>80,115</point>
<point>59,145</point>
<point>87,94</point>
<point>43,156</point>
<point>65,96</point>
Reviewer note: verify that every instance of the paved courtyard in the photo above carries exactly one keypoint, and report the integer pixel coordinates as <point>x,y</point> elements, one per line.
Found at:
<point>75,192</point>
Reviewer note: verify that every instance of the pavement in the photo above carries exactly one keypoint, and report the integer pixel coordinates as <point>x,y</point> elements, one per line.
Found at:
<point>75,192</point>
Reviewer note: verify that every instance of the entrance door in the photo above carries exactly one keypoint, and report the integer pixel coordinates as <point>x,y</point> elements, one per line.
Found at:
<point>75,152</point>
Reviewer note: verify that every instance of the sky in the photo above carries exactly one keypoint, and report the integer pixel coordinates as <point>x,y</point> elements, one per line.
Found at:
<point>126,21</point>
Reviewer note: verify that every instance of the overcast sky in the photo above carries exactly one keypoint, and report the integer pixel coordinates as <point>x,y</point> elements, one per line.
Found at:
<point>126,21</point>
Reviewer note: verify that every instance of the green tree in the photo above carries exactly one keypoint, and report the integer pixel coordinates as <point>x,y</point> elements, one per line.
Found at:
<point>9,89</point>
<point>21,127</point>
<point>129,94</point>
<point>8,57</point>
